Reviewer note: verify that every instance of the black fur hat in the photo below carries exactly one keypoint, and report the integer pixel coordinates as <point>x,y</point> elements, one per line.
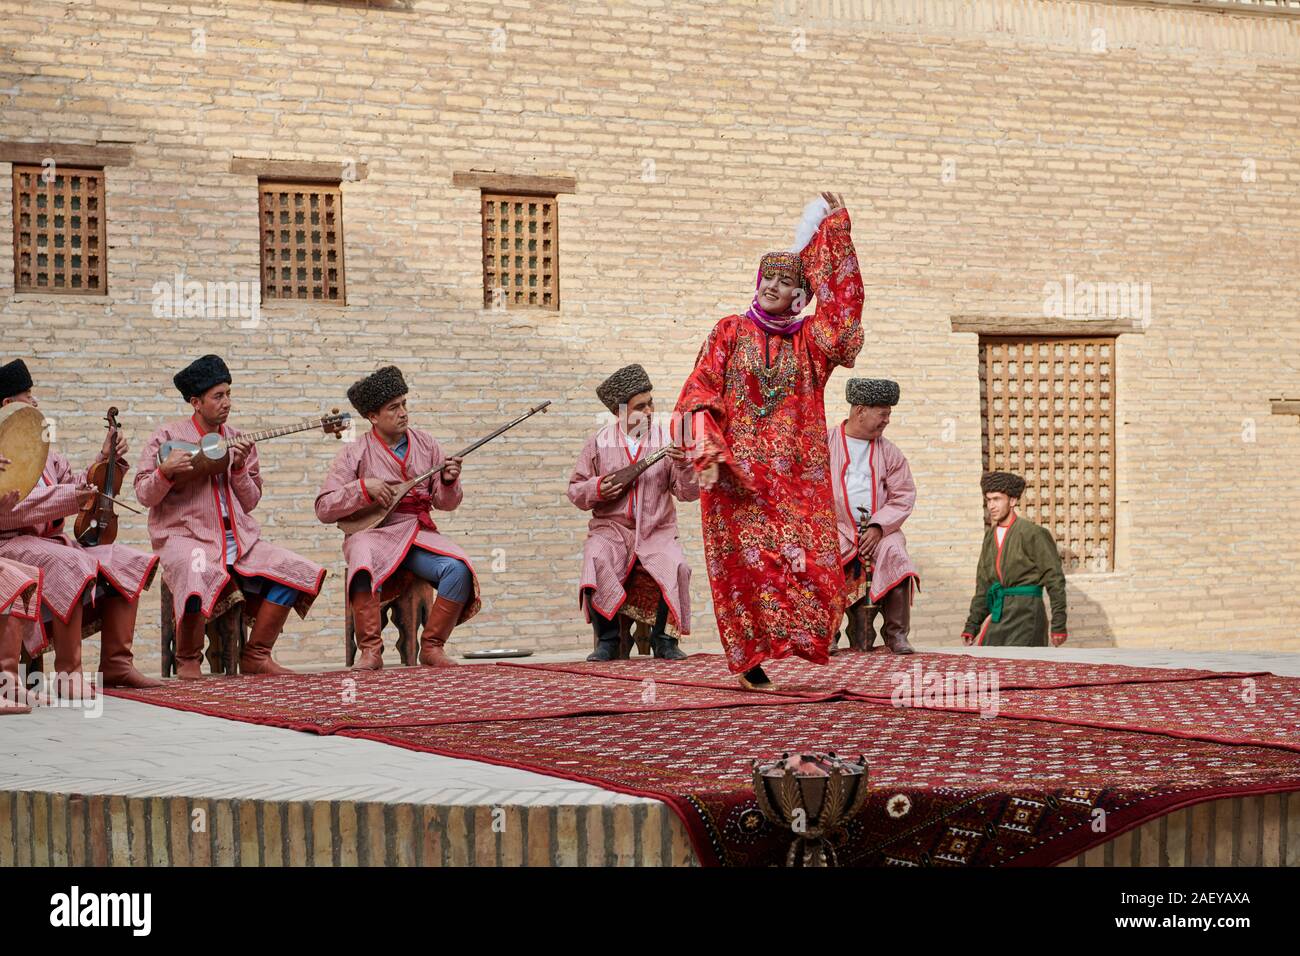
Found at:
<point>1013,486</point>
<point>377,389</point>
<point>618,388</point>
<point>871,391</point>
<point>14,379</point>
<point>200,375</point>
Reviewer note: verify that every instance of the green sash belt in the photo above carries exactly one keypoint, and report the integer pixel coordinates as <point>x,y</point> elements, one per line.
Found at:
<point>997,592</point>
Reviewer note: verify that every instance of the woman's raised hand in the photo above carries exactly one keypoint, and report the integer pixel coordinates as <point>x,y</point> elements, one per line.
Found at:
<point>834,200</point>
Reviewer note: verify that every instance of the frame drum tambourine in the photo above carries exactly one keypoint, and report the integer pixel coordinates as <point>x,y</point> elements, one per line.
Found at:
<point>23,442</point>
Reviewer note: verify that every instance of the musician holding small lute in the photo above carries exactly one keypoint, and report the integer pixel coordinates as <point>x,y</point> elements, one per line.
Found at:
<point>632,563</point>
<point>83,588</point>
<point>388,528</point>
<point>874,495</point>
<point>200,478</point>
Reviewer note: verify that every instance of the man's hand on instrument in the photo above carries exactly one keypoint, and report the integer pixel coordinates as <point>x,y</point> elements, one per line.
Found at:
<point>239,451</point>
<point>85,493</point>
<point>609,487</point>
<point>178,463</point>
<point>383,492</point>
<point>8,502</point>
<point>121,448</point>
<point>4,461</point>
<point>834,200</point>
<point>451,471</point>
<point>676,453</point>
<point>868,542</point>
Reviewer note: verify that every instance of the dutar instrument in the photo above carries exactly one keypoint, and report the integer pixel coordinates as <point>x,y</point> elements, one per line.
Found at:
<point>864,522</point>
<point>374,514</point>
<point>211,455</point>
<point>23,440</point>
<point>625,476</point>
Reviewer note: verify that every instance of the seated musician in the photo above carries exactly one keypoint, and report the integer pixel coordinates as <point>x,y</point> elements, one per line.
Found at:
<point>20,602</point>
<point>631,562</point>
<point>874,494</point>
<point>83,589</point>
<point>367,472</point>
<point>204,532</point>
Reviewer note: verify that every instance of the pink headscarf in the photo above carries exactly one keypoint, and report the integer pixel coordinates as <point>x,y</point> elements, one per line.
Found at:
<point>788,322</point>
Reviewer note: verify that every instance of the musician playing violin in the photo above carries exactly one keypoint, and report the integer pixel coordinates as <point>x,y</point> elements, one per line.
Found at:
<point>369,470</point>
<point>204,532</point>
<point>83,589</point>
<point>632,563</point>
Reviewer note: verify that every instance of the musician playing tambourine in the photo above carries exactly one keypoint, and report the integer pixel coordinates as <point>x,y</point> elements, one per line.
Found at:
<point>367,471</point>
<point>203,530</point>
<point>20,600</point>
<point>631,562</point>
<point>83,588</point>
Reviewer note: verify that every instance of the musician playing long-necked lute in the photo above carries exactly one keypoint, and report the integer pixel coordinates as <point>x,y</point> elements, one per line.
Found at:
<point>83,588</point>
<point>632,563</point>
<point>203,530</point>
<point>367,476</point>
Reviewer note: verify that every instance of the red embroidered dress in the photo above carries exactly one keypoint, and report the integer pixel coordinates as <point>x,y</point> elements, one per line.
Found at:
<point>770,539</point>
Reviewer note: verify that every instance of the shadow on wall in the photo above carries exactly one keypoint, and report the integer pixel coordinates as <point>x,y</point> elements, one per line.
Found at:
<point>1086,619</point>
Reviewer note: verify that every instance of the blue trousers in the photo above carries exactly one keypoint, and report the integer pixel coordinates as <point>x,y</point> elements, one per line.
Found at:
<point>272,591</point>
<point>450,577</point>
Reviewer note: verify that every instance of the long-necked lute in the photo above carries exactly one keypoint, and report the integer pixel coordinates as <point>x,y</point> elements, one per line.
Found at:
<point>369,517</point>
<point>625,476</point>
<point>211,455</point>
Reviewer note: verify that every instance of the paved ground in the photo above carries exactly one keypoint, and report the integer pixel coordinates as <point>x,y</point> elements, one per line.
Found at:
<point>137,749</point>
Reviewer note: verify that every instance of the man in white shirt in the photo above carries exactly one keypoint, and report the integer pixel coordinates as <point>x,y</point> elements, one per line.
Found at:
<point>874,495</point>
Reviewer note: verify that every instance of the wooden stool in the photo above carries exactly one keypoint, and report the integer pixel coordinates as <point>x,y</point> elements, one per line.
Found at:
<point>227,631</point>
<point>406,599</point>
<point>629,632</point>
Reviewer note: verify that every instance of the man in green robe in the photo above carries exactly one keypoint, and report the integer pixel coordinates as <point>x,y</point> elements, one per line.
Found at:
<point>1018,560</point>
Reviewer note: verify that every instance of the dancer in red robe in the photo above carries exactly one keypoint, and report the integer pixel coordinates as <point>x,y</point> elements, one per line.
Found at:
<point>756,425</point>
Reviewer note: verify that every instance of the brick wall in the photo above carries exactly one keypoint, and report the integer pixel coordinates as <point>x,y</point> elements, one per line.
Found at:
<point>1107,142</point>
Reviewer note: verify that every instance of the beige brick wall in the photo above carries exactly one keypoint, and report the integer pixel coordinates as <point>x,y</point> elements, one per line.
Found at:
<point>1109,156</point>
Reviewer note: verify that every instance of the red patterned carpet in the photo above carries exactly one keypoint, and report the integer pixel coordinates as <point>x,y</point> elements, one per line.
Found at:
<point>880,674</point>
<point>423,696</point>
<point>1076,754</point>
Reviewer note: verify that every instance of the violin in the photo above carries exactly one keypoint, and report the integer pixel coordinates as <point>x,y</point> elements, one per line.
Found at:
<point>97,521</point>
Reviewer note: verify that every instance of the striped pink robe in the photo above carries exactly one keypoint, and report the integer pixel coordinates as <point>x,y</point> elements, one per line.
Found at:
<point>34,534</point>
<point>892,496</point>
<point>381,550</point>
<point>186,530</point>
<point>641,524</point>
<point>20,596</point>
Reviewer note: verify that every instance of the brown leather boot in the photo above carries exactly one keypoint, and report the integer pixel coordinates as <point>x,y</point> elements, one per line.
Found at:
<point>896,607</point>
<point>68,681</point>
<point>256,658</point>
<point>862,632</point>
<point>117,616</point>
<point>442,618</point>
<point>367,625</point>
<point>189,646</point>
<point>13,694</point>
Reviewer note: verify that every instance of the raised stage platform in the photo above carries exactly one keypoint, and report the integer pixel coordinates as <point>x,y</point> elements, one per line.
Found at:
<point>154,785</point>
